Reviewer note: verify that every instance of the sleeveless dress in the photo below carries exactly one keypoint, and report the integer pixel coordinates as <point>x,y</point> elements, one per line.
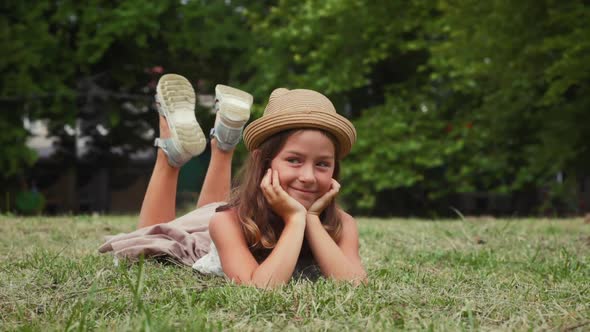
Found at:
<point>185,240</point>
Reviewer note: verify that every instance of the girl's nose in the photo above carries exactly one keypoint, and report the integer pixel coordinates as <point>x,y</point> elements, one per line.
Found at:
<point>307,174</point>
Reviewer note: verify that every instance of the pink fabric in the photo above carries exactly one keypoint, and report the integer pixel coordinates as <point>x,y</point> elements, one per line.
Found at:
<point>185,239</point>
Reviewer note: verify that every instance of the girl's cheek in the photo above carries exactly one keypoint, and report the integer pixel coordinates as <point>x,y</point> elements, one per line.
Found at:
<point>283,182</point>
<point>328,181</point>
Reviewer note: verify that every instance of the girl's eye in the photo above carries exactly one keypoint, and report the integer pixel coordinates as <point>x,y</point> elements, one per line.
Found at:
<point>323,164</point>
<point>293,160</point>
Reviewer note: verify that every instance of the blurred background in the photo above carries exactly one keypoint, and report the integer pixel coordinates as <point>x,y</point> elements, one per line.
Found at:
<point>461,107</point>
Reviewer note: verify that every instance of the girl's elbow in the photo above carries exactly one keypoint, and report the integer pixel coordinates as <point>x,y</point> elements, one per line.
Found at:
<point>259,281</point>
<point>356,278</point>
<point>359,279</point>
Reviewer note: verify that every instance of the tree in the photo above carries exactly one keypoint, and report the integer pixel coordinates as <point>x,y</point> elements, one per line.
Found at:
<point>93,67</point>
<point>525,67</point>
<point>447,96</point>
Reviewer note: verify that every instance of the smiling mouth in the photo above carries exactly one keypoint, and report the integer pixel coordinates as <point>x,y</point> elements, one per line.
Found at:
<point>304,191</point>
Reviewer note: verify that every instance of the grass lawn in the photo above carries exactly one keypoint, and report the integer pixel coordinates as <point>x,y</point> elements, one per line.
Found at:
<point>477,274</point>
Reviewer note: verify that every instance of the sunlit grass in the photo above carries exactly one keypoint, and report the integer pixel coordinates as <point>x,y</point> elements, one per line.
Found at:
<point>479,274</point>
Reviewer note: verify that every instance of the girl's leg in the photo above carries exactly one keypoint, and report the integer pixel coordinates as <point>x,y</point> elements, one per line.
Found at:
<point>181,138</point>
<point>159,202</point>
<point>217,184</point>
<point>233,111</point>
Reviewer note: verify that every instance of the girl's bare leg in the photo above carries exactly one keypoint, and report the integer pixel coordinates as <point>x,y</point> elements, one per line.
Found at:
<point>233,111</point>
<point>159,202</point>
<point>217,184</point>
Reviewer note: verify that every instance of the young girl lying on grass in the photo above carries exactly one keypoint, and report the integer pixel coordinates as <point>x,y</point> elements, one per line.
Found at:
<point>281,220</point>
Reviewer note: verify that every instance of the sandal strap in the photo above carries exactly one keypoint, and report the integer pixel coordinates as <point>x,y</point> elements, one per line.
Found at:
<point>227,137</point>
<point>174,157</point>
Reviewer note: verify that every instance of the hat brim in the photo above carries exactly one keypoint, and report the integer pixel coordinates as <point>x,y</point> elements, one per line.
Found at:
<point>261,129</point>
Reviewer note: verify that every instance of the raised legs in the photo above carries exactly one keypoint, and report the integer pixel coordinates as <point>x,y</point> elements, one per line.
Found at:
<point>159,202</point>
<point>182,139</point>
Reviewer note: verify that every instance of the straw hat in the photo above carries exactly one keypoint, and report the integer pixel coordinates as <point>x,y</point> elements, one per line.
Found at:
<point>300,108</point>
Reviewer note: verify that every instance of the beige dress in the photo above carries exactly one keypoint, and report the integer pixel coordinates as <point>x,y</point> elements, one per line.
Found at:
<point>185,239</point>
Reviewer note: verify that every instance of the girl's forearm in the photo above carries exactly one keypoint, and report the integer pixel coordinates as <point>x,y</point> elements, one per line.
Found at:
<point>278,267</point>
<point>330,258</point>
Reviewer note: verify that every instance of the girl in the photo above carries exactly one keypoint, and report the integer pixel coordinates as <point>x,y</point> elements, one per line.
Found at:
<point>282,219</point>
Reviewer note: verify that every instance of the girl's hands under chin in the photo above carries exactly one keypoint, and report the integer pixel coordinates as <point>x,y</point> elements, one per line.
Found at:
<point>321,203</point>
<point>281,203</point>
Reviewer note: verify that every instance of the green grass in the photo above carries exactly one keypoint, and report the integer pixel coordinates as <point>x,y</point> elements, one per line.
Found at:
<point>476,274</point>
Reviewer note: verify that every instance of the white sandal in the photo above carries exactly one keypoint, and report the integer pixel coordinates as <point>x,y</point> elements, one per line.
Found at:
<point>175,100</point>
<point>233,111</point>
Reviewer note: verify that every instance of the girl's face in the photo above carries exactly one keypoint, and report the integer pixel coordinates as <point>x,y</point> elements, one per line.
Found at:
<point>306,165</point>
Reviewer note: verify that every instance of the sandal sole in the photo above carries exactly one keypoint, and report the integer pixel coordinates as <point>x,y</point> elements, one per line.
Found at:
<point>177,101</point>
<point>233,104</point>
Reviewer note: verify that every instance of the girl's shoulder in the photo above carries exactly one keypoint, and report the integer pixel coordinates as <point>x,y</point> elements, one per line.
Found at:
<point>345,217</point>
<point>225,224</point>
<point>225,216</point>
<point>226,231</point>
<point>350,233</point>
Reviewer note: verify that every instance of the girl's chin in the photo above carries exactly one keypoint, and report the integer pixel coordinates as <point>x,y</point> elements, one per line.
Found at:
<point>305,202</point>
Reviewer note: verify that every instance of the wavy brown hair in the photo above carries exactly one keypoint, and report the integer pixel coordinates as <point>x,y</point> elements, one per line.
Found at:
<point>261,226</point>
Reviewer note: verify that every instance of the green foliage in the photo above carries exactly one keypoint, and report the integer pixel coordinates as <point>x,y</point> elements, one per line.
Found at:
<point>14,154</point>
<point>526,65</point>
<point>396,155</point>
<point>331,46</point>
<point>29,202</point>
<point>93,62</point>
<point>448,96</point>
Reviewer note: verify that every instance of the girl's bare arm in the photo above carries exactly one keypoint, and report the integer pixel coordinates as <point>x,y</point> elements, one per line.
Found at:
<point>340,261</point>
<point>237,261</point>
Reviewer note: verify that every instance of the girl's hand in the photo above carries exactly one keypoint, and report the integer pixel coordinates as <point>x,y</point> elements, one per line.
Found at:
<point>280,202</point>
<point>321,203</point>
